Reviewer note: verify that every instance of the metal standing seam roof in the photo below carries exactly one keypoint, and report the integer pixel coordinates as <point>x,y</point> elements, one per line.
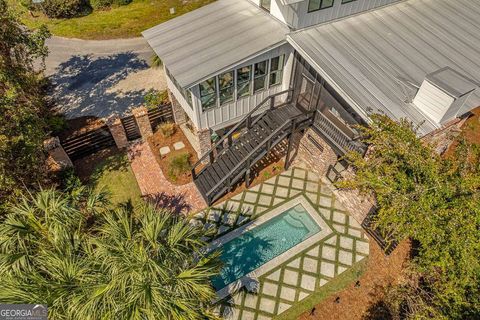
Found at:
<point>203,42</point>
<point>366,55</point>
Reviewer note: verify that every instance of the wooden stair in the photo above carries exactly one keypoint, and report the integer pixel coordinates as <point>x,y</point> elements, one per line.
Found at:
<point>233,162</point>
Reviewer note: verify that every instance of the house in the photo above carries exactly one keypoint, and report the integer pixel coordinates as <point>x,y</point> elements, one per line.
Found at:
<point>313,69</point>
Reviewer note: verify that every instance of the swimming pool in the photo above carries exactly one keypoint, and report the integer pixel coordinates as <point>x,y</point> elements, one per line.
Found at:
<point>264,242</point>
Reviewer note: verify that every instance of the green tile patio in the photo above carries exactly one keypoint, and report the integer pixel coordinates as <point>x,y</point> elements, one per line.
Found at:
<point>312,267</point>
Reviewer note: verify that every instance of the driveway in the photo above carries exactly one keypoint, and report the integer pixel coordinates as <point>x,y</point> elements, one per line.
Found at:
<point>100,78</point>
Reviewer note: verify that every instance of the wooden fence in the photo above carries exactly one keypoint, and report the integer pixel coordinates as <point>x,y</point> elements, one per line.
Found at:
<point>163,113</point>
<point>85,144</point>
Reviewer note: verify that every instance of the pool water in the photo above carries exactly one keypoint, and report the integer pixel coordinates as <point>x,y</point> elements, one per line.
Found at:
<point>263,243</point>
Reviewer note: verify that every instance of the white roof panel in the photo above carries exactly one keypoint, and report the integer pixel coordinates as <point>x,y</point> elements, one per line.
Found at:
<point>367,55</point>
<point>200,43</point>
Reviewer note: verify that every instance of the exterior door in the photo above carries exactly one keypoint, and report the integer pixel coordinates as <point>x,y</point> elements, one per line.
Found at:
<point>305,95</point>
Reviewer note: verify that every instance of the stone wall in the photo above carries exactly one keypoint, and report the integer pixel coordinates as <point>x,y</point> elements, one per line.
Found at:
<point>316,157</point>
<point>179,114</point>
<point>200,140</point>
<point>118,131</point>
<point>143,122</point>
<point>442,138</point>
<point>57,153</point>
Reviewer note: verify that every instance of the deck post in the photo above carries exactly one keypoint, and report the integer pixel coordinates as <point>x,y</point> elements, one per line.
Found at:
<point>211,156</point>
<point>247,178</point>
<point>290,142</point>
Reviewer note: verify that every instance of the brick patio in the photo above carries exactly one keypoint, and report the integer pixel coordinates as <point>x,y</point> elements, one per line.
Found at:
<point>154,186</point>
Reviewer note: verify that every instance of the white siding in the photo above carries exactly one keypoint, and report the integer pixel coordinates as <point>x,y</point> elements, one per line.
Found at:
<point>297,15</point>
<point>433,101</point>
<point>230,113</point>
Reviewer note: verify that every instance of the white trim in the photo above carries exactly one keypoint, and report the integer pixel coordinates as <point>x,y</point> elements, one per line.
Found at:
<point>234,65</point>
<point>325,230</point>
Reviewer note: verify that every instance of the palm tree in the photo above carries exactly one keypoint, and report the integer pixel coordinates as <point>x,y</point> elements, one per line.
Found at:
<point>87,261</point>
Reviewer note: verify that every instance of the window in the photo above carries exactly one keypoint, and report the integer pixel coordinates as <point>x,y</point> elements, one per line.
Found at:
<point>208,93</point>
<point>244,75</point>
<point>314,5</point>
<point>265,4</point>
<point>276,70</point>
<point>260,76</point>
<point>225,83</point>
<point>347,1</point>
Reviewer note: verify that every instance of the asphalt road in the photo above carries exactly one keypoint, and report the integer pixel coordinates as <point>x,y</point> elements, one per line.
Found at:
<point>100,77</point>
<point>62,49</point>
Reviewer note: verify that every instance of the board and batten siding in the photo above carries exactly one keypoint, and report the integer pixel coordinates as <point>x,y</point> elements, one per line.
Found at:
<point>297,15</point>
<point>230,113</point>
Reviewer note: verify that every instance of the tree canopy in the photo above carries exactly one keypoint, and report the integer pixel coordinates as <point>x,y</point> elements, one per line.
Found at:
<point>85,260</point>
<point>22,105</point>
<point>434,200</point>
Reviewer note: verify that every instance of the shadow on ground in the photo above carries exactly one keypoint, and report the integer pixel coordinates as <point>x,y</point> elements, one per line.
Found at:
<point>174,203</point>
<point>82,85</point>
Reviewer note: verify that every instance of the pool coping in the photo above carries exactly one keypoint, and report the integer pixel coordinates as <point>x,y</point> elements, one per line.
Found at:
<point>325,230</point>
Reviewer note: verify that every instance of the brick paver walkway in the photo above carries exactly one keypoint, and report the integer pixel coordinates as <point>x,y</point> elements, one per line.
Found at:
<point>154,185</point>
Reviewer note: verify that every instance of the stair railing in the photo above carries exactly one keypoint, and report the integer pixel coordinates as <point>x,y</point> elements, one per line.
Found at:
<point>336,135</point>
<point>247,120</point>
<point>248,158</point>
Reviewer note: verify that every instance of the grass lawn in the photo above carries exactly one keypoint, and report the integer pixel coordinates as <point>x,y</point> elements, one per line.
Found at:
<point>337,284</point>
<point>115,175</point>
<point>119,22</point>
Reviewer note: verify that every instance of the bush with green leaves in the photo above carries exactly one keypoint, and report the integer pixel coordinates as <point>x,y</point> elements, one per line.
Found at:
<point>85,260</point>
<point>155,98</point>
<point>22,105</point>
<point>433,200</point>
<point>64,8</point>
<point>104,4</point>
<point>178,164</point>
<point>167,129</point>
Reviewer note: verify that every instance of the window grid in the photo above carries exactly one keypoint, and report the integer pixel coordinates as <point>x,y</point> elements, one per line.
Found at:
<point>315,5</point>
<point>243,84</point>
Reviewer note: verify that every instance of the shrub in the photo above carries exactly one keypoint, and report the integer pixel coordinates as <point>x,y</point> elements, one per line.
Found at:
<point>100,4</point>
<point>156,61</point>
<point>178,165</point>
<point>167,129</point>
<point>104,4</point>
<point>64,8</point>
<point>154,98</point>
<point>56,123</point>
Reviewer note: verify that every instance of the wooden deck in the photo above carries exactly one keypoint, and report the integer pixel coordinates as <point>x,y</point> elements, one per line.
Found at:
<point>235,162</point>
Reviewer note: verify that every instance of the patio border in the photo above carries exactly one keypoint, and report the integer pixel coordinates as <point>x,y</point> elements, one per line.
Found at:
<point>325,231</point>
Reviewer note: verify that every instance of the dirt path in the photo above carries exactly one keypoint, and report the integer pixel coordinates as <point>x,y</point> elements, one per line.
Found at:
<point>355,301</point>
<point>154,185</point>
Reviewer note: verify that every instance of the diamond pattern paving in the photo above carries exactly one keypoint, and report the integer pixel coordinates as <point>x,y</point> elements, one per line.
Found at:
<point>311,268</point>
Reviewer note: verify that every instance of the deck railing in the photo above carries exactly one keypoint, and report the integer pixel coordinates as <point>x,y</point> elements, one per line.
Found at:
<point>247,121</point>
<point>342,141</point>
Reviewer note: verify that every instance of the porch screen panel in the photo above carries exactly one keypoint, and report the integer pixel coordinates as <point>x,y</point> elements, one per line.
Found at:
<point>260,76</point>
<point>244,76</point>
<point>208,93</point>
<point>276,70</point>
<point>226,85</point>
